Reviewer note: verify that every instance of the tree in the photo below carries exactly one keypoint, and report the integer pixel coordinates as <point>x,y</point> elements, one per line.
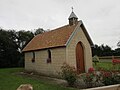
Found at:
<point>106,50</point>
<point>22,38</point>
<point>9,54</point>
<point>96,50</point>
<point>102,50</point>
<point>118,44</point>
<point>11,45</point>
<point>117,52</point>
<point>39,31</point>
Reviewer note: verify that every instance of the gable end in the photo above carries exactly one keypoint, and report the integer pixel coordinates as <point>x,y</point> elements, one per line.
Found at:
<point>80,24</point>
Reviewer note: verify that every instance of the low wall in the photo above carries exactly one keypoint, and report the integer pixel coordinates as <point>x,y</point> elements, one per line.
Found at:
<point>111,87</point>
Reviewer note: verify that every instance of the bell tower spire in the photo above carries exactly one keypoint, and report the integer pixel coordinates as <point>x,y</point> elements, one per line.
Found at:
<point>72,18</point>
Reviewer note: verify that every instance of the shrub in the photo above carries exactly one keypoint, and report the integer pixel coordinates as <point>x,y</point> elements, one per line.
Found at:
<point>107,78</point>
<point>95,59</point>
<point>88,79</point>
<point>110,77</point>
<point>69,74</point>
<point>103,77</point>
<point>116,64</point>
<point>91,70</point>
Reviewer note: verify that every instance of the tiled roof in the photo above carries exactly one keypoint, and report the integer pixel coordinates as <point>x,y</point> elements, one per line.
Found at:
<point>53,38</point>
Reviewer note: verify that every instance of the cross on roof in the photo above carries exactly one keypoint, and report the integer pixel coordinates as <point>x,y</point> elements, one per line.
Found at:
<point>72,8</point>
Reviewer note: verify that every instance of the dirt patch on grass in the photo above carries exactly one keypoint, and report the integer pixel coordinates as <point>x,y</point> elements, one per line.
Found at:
<point>44,79</point>
<point>79,84</point>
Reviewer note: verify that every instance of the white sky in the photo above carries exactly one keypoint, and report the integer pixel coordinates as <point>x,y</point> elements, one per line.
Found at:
<point>100,17</point>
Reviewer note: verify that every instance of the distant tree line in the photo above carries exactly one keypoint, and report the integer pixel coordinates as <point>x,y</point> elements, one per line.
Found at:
<point>11,44</point>
<point>105,50</point>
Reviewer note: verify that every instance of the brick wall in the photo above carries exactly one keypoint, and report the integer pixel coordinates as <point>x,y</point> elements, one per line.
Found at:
<point>58,57</point>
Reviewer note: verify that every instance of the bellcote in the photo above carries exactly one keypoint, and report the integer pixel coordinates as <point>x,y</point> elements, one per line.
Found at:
<point>72,19</point>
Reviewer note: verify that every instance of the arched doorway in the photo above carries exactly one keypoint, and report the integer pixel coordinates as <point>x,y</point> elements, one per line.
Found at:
<point>80,58</point>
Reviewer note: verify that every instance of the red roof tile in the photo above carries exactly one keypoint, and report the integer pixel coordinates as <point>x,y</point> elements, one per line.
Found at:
<point>53,38</point>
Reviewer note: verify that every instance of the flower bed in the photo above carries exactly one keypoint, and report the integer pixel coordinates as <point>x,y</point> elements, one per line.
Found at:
<point>94,78</point>
<point>100,78</point>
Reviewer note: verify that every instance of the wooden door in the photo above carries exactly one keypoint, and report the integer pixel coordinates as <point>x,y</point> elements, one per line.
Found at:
<point>80,58</point>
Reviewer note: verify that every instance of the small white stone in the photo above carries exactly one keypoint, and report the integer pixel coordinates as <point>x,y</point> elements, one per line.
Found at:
<point>25,87</point>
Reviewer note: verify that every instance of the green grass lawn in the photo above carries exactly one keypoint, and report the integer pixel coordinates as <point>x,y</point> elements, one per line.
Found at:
<point>105,65</point>
<point>10,81</point>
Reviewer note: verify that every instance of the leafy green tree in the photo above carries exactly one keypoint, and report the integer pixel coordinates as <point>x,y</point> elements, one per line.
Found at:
<point>102,50</point>
<point>39,31</point>
<point>11,44</point>
<point>118,44</point>
<point>117,52</point>
<point>96,50</point>
<point>106,50</point>
<point>9,54</point>
<point>22,38</point>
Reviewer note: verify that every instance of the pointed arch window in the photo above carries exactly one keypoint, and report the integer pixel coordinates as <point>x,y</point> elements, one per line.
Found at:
<point>49,56</point>
<point>33,58</point>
